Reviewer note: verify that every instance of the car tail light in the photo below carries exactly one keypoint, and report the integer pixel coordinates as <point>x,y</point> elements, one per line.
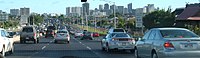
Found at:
<point>82,34</point>
<point>52,32</point>
<point>34,34</point>
<point>168,44</point>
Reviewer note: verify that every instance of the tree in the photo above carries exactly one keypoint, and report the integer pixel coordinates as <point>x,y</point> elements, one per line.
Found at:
<point>121,23</point>
<point>159,18</point>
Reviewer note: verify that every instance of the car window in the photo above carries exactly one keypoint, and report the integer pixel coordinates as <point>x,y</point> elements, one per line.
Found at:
<point>62,32</point>
<point>118,30</point>
<point>146,35</point>
<point>157,35</point>
<point>152,35</point>
<point>177,34</point>
<point>27,29</point>
<point>122,35</point>
<point>2,33</point>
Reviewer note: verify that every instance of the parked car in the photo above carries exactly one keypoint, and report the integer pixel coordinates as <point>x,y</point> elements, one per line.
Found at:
<point>62,35</point>
<point>118,41</point>
<point>6,42</point>
<point>112,30</point>
<point>86,35</point>
<point>95,34</point>
<point>168,43</point>
<point>29,33</point>
<point>78,34</point>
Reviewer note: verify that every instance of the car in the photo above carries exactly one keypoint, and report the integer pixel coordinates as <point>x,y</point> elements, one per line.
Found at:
<point>168,43</point>
<point>51,30</point>
<point>62,35</point>
<point>29,33</point>
<point>112,30</point>
<point>78,34</point>
<point>86,35</point>
<point>95,34</point>
<point>6,43</point>
<point>118,41</point>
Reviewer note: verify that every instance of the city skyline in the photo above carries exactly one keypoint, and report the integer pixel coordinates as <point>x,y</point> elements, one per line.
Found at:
<point>54,6</point>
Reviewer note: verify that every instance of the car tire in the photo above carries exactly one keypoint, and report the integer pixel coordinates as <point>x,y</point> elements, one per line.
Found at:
<point>67,42</point>
<point>132,50</point>
<point>107,48</point>
<point>55,41</point>
<point>136,54</point>
<point>35,41</point>
<point>3,53</point>
<point>154,55</point>
<point>12,50</point>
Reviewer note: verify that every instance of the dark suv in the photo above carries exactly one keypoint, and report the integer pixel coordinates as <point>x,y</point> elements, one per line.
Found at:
<point>29,33</point>
<point>50,31</point>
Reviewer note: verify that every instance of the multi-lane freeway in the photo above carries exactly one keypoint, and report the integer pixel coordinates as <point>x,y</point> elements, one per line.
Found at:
<point>76,49</point>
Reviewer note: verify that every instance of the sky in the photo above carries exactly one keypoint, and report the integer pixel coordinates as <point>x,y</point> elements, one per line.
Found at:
<point>59,6</point>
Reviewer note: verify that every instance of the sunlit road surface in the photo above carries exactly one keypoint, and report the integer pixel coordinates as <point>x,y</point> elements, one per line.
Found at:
<point>75,49</point>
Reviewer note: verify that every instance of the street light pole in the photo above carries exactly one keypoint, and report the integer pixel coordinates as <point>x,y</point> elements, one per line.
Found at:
<point>114,16</point>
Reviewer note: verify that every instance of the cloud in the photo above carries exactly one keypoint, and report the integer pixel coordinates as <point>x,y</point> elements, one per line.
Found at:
<point>2,1</point>
<point>55,2</point>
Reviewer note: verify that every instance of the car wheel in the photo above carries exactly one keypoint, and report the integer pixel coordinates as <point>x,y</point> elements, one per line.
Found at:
<point>21,41</point>
<point>102,48</point>
<point>3,53</point>
<point>35,41</point>
<point>132,50</point>
<point>55,41</point>
<point>154,55</point>
<point>12,50</point>
<point>107,48</point>
<point>136,54</point>
<point>68,42</point>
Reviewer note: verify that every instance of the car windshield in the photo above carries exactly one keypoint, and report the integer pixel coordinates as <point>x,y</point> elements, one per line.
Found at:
<point>27,29</point>
<point>62,32</point>
<point>121,35</point>
<point>118,30</point>
<point>178,34</point>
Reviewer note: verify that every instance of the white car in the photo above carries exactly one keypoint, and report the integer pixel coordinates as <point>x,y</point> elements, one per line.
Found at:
<point>118,41</point>
<point>6,42</point>
<point>78,34</point>
<point>62,35</point>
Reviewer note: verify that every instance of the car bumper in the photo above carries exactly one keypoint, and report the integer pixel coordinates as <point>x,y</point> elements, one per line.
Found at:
<point>27,38</point>
<point>121,47</point>
<point>179,54</point>
<point>62,39</point>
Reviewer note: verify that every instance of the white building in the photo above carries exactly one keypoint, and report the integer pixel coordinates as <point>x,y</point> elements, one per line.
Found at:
<point>14,12</point>
<point>3,16</point>
<point>98,13</point>
<point>150,8</point>
<point>125,11</point>
<point>24,11</point>
<point>140,12</point>
<point>68,10</point>
<point>120,9</point>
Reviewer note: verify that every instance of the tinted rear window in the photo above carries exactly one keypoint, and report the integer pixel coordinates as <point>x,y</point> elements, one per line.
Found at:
<point>118,30</point>
<point>122,35</point>
<point>27,29</point>
<point>62,32</point>
<point>178,34</point>
<point>51,27</point>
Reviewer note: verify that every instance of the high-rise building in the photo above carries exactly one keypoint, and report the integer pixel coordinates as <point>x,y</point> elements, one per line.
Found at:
<point>130,8</point>
<point>0,11</point>
<point>106,8</point>
<point>24,11</point>
<point>100,7</point>
<point>14,12</point>
<point>76,11</point>
<point>3,16</point>
<point>68,11</point>
<point>86,8</point>
<point>150,8</point>
<point>120,9</point>
<point>125,11</point>
<point>112,8</point>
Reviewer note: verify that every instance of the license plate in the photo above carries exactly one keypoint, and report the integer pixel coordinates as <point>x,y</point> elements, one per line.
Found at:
<point>27,38</point>
<point>123,44</point>
<point>188,46</point>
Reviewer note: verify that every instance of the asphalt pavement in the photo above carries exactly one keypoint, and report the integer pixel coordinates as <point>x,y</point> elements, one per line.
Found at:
<point>46,48</point>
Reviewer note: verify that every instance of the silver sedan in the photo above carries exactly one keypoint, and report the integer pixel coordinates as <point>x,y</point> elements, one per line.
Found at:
<point>168,43</point>
<point>118,41</point>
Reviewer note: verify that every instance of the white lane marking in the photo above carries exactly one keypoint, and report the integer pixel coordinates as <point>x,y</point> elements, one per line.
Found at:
<point>43,47</point>
<point>96,53</point>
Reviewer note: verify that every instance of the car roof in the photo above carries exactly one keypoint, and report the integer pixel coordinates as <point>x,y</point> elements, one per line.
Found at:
<point>2,29</point>
<point>169,29</point>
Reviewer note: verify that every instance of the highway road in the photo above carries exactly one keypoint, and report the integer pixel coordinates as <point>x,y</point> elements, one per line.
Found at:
<point>76,49</point>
